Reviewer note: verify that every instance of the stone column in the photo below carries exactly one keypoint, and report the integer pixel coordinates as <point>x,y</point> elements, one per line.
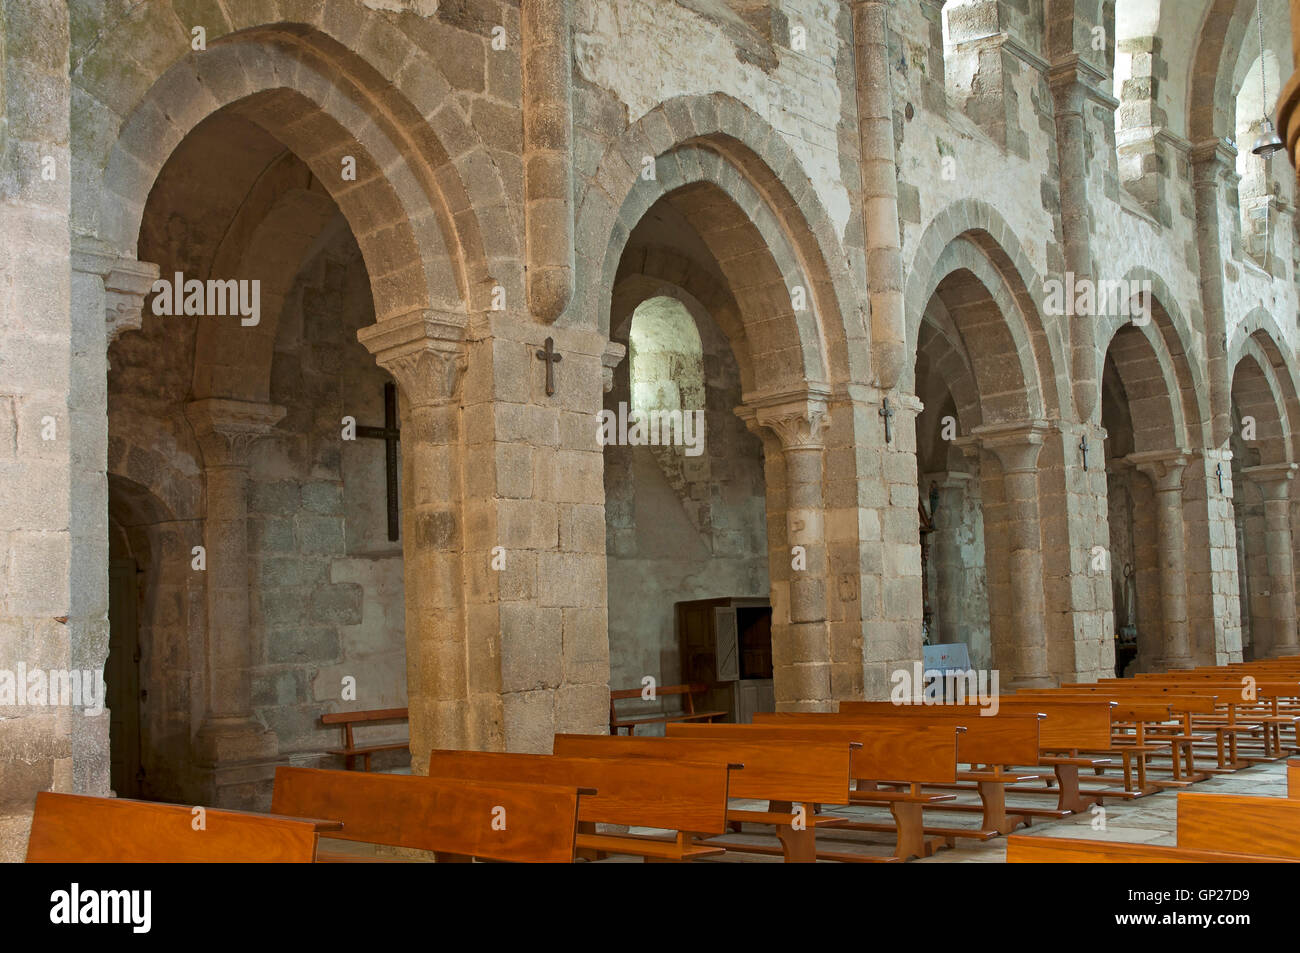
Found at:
<point>948,603</point>
<point>1165,470</point>
<point>1214,180</point>
<point>1024,644</point>
<point>424,352</point>
<point>230,734</point>
<point>802,676</point>
<point>1274,483</point>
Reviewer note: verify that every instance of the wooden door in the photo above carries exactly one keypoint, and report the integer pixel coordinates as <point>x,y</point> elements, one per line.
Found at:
<point>122,678</point>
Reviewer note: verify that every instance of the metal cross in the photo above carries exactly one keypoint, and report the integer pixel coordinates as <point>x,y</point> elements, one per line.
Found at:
<point>551,358</point>
<point>888,414</point>
<point>1083,449</point>
<point>1218,472</point>
<point>391,435</point>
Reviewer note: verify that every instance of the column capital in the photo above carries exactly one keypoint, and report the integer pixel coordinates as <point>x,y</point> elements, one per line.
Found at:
<point>1163,467</point>
<point>610,358</point>
<point>1272,479</point>
<point>424,350</point>
<point>798,418</point>
<point>126,283</point>
<point>227,429</point>
<point>1015,444</point>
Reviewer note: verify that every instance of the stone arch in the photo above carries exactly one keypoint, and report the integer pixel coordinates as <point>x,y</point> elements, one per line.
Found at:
<point>1270,389</point>
<point>992,251</point>
<point>747,194</point>
<point>1210,113</point>
<point>151,465</point>
<point>424,183</point>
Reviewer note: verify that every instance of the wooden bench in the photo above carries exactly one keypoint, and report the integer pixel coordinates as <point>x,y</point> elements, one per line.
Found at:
<point>991,745</point>
<point>455,820</point>
<point>76,828</point>
<point>1223,828</point>
<point>688,693</point>
<point>782,773</point>
<point>348,719</point>
<point>685,797</point>
<point>905,755</point>
<point>1067,729</point>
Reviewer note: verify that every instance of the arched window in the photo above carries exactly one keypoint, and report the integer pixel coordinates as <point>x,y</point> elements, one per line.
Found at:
<point>1260,187</point>
<point>666,359</point>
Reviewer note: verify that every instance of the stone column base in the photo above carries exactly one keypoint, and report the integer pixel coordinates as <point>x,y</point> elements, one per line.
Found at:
<point>1030,681</point>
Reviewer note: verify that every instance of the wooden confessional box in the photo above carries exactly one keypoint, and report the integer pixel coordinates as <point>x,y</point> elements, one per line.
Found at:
<point>726,644</point>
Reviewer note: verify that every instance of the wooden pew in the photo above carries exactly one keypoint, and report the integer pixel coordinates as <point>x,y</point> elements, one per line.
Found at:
<point>1293,778</point>
<point>990,745</point>
<point>1068,728</point>
<point>783,773</point>
<point>350,719</point>
<point>1024,849</point>
<point>909,756</point>
<point>455,820</point>
<point>686,797</point>
<point>78,829</point>
<point>1212,828</point>
<point>687,693</point>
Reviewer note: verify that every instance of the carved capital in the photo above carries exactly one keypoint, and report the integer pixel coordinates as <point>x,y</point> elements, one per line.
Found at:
<point>424,351</point>
<point>799,419</point>
<point>610,358</point>
<point>126,283</point>
<point>1163,467</point>
<point>1016,444</point>
<point>1273,480</point>
<point>228,429</point>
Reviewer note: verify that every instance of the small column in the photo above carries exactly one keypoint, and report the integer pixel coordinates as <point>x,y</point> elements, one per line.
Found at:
<point>803,682</point>
<point>1165,470</point>
<point>951,489</point>
<point>1016,447</point>
<point>227,430</point>
<point>424,352</point>
<point>1274,483</point>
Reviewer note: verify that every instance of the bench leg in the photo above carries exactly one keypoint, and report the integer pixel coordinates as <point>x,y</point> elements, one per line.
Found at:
<point>911,832</point>
<point>993,796</point>
<point>800,846</point>
<point>1068,797</point>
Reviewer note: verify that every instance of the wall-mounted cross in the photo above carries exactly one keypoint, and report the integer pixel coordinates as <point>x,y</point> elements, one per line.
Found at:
<point>1083,449</point>
<point>888,413</point>
<point>1218,472</point>
<point>391,435</point>
<point>551,358</point>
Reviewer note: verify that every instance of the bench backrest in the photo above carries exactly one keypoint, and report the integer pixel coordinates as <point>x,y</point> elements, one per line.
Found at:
<point>1029,849</point>
<point>998,739</point>
<point>643,792</point>
<point>1195,701</point>
<point>1070,723</point>
<point>921,754</point>
<point>533,823</point>
<point>1238,822</point>
<point>803,771</point>
<point>357,717</point>
<point>660,690</point>
<point>76,828</point>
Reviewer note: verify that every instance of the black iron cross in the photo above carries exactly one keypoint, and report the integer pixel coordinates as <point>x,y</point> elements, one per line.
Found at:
<point>391,435</point>
<point>887,412</point>
<point>1218,472</point>
<point>1083,449</point>
<point>551,358</point>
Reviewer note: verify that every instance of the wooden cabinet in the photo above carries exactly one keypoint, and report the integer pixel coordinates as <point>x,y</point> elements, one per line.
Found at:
<point>726,644</point>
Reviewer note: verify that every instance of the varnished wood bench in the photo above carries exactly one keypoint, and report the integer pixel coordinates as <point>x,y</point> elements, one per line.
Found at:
<point>783,773</point>
<point>890,768</point>
<point>76,828</point>
<point>1067,729</point>
<point>687,693</point>
<point>1212,828</point>
<point>990,744</point>
<point>349,719</point>
<point>1293,778</point>
<point>685,797</point>
<point>456,820</point>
